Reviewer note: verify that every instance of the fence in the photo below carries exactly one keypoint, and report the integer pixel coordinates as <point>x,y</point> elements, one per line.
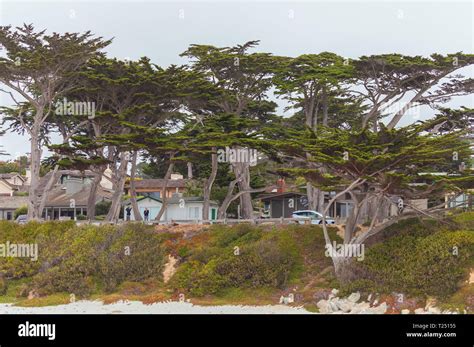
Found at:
<point>227,221</point>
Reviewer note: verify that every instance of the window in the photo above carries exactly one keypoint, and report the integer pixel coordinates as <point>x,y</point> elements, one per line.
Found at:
<point>343,209</point>
<point>193,212</point>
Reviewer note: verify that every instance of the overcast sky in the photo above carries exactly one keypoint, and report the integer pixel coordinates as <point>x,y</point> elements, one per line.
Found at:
<point>162,30</point>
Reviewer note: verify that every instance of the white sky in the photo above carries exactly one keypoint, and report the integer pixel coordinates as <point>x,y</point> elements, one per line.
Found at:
<point>162,30</point>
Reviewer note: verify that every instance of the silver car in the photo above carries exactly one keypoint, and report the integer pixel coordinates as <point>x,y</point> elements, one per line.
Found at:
<point>22,219</point>
<point>313,216</point>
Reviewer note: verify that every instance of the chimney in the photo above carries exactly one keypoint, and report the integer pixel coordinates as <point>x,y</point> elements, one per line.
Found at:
<point>281,185</point>
<point>176,177</point>
<point>73,185</point>
<point>28,176</point>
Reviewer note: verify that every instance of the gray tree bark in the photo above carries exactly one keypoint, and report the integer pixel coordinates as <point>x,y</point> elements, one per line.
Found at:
<point>33,203</point>
<point>208,184</point>
<point>190,170</point>
<point>133,193</point>
<point>243,170</point>
<point>91,200</point>
<point>164,199</point>
<point>119,178</point>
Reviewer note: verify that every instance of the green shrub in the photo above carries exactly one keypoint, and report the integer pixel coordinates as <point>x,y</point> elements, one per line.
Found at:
<point>3,285</point>
<point>102,207</point>
<point>266,263</point>
<point>418,265</point>
<point>19,211</point>
<point>80,259</point>
<point>184,252</point>
<point>263,260</point>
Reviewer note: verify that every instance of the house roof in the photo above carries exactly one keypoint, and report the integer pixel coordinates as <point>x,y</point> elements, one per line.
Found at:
<point>280,195</point>
<point>177,199</point>
<point>11,175</point>
<point>12,202</point>
<point>44,180</point>
<point>158,183</point>
<point>58,198</point>
<point>174,200</point>
<point>8,184</point>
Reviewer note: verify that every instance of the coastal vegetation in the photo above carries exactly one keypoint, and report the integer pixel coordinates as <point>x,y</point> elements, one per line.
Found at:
<point>241,264</point>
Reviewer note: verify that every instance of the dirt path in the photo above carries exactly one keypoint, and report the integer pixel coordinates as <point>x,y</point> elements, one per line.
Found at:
<point>170,268</point>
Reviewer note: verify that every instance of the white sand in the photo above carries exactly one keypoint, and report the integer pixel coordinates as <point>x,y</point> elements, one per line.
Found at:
<point>136,307</point>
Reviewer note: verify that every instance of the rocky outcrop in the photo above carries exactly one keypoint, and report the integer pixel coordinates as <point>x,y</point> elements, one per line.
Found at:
<point>349,305</point>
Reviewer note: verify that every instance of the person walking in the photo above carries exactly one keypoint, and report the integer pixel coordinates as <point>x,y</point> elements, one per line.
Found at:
<point>128,210</point>
<point>146,213</point>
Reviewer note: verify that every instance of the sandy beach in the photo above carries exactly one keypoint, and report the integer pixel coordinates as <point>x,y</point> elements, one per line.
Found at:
<point>136,307</point>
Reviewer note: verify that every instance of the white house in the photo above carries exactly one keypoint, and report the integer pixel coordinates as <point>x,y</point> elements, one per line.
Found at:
<point>179,209</point>
<point>11,183</point>
<point>8,205</point>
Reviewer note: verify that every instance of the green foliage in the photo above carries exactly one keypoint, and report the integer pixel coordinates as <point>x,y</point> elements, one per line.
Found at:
<point>80,260</point>
<point>249,257</point>
<point>421,259</point>
<point>20,210</point>
<point>3,285</point>
<point>102,207</point>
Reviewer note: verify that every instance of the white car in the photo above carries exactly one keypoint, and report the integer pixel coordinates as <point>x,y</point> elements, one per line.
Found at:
<point>315,217</point>
<point>22,219</point>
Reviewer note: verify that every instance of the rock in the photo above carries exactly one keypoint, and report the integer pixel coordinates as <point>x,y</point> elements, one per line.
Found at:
<point>355,310</point>
<point>369,297</point>
<point>354,297</point>
<point>33,294</point>
<point>381,309</point>
<point>419,311</point>
<point>434,310</point>
<point>324,306</point>
<point>405,311</point>
<point>345,305</point>
<point>333,306</point>
<point>335,291</point>
<point>375,303</point>
<point>360,307</point>
<point>321,295</point>
<point>430,302</point>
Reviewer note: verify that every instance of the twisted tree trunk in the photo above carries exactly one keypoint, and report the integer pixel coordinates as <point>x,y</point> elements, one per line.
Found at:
<point>133,193</point>
<point>242,170</point>
<point>33,196</point>
<point>208,185</point>
<point>164,199</point>
<point>91,200</point>
<point>120,176</point>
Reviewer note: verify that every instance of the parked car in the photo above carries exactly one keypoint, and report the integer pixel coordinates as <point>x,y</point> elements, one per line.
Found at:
<point>22,219</point>
<point>314,216</point>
